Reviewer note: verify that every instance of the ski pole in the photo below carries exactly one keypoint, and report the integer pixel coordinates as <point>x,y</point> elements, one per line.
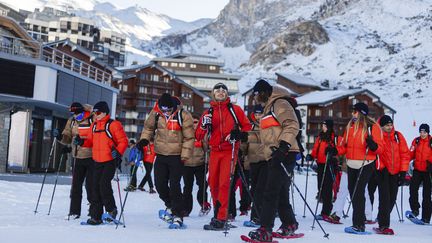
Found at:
<point>402,218</point>
<point>205,169</point>
<point>321,187</point>
<point>73,179</point>
<point>46,172</point>
<point>398,213</point>
<point>136,165</point>
<point>292,195</point>
<point>231,184</point>
<point>119,193</point>
<point>306,187</point>
<point>55,183</point>
<point>326,235</point>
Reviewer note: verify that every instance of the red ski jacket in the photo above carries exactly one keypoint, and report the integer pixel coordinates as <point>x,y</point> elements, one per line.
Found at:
<point>395,155</point>
<point>421,151</point>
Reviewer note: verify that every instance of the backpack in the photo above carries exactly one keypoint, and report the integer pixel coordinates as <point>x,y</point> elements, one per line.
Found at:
<point>106,130</point>
<point>417,141</point>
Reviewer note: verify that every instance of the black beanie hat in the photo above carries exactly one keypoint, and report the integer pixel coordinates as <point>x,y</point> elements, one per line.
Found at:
<point>424,127</point>
<point>166,101</point>
<point>101,106</point>
<point>384,120</point>
<point>329,123</point>
<point>76,108</point>
<point>258,109</point>
<point>262,86</point>
<point>362,108</point>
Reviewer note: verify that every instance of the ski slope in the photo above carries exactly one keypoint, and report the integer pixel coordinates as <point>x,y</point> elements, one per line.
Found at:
<point>19,223</point>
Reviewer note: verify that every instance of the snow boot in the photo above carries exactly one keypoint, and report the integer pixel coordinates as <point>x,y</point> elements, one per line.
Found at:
<point>92,221</point>
<point>152,191</point>
<point>112,214</point>
<point>261,235</point>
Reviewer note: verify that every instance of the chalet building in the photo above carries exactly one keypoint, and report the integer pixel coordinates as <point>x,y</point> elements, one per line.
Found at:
<point>35,93</point>
<point>142,86</point>
<point>202,72</point>
<point>317,103</point>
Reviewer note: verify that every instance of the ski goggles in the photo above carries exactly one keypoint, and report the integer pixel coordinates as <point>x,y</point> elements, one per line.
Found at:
<point>220,86</point>
<point>79,117</point>
<point>166,109</point>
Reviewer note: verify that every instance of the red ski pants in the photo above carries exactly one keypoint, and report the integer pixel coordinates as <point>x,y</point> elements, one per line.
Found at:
<point>219,180</point>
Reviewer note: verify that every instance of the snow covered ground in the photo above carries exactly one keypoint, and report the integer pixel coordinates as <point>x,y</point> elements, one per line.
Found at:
<point>19,224</point>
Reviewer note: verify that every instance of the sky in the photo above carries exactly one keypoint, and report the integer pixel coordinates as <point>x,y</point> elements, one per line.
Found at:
<point>187,10</point>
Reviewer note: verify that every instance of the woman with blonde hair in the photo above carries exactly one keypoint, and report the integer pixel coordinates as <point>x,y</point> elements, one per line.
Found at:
<point>361,143</point>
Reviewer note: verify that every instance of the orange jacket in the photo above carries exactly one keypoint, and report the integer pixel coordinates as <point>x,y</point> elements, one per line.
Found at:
<point>421,152</point>
<point>318,150</point>
<point>395,155</point>
<point>102,144</point>
<point>354,148</point>
<point>149,153</point>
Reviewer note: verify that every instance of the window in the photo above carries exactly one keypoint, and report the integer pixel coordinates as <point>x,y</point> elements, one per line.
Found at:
<point>339,114</point>
<point>182,65</point>
<point>330,113</point>
<point>317,112</point>
<point>309,112</point>
<point>174,64</point>
<point>212,68</point>
<point>164,64</point>
<point>125,87</point>
<point>166,79</point>
<point>143,90</point>
<point>141,115</point>
<point>193,65</point>
<point>154,77</point>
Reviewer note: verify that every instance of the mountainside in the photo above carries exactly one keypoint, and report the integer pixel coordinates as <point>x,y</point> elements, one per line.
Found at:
<point>138,24</point>
<point>382,45</point>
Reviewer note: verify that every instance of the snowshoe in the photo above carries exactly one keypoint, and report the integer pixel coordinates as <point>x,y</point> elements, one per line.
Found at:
<point>107,217</point>
<point>251,223</point>
<point>260,235</point>
<point>92,221</point>
<point>331,219</point>
<point>130,188</point>
<point>290,236</point>
<point>177,223</point>
<point>249,240</point>
<point>72,216</point>
<point>166,215</point>
<point>205,209</point>
<point>356,230</point>
<point>383,231</point>
<point>215,224</point>
<point>413,218</point>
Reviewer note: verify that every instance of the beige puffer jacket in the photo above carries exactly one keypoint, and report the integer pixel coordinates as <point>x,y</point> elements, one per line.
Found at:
<point>253,149</point>
<point>74,128</point>
<point>279,123</point>
<point>171,138</point>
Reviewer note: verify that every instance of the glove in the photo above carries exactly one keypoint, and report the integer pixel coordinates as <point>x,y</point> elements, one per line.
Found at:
<point>115,154</point>
<point>279,154</point>
<point>237,135</point>
<point>56,133</point>
<point>206,121</point>
<point>309,157</point>
<point>78,141</point>
<point>66,150</point>
<point>141,144</point>
<point>331,150</point>
<point>371,143</point>
<point>401,178</point>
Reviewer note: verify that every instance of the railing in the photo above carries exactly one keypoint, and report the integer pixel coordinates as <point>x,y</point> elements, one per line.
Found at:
<point>33,49</point>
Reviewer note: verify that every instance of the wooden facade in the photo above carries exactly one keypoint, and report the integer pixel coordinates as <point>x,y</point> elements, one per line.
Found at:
<point>142,87</point>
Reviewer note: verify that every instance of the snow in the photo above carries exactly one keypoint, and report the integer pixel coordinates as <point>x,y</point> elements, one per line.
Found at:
<point>135,55</point>
<point>324,96</point>
<point>20,225</point>
<point>300,80</point>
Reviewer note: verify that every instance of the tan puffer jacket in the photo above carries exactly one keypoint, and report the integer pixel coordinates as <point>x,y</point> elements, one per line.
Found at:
<point>279,123</point>
<point>198,155</point>
<point>171,138</point>
<point>73,128</point>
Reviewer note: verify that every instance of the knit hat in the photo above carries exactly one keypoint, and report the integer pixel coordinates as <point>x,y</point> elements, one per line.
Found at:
<point>76,108</point>
<point>329,123</point>
<point>258,109</point>
<point>362,108</point>
<point>384,120</point>
<point>101,106</point>
<point>424,127</point>
<point>166,101</point>
<point>262,86</point>
<point>220,85</point>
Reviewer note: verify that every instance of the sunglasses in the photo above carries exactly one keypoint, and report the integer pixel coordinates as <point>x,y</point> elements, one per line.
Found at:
<point>98,112</point>
<point>195,122</point>
<point>220,86</point>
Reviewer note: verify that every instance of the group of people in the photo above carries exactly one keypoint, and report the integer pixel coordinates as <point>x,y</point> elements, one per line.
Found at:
<point>377,156</point>
<point>260,150</point>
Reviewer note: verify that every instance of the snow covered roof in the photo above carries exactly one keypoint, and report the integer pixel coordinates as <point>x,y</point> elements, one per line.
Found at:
<point>300,80</point>
<point>207,75</point>
<point>322,97</point>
